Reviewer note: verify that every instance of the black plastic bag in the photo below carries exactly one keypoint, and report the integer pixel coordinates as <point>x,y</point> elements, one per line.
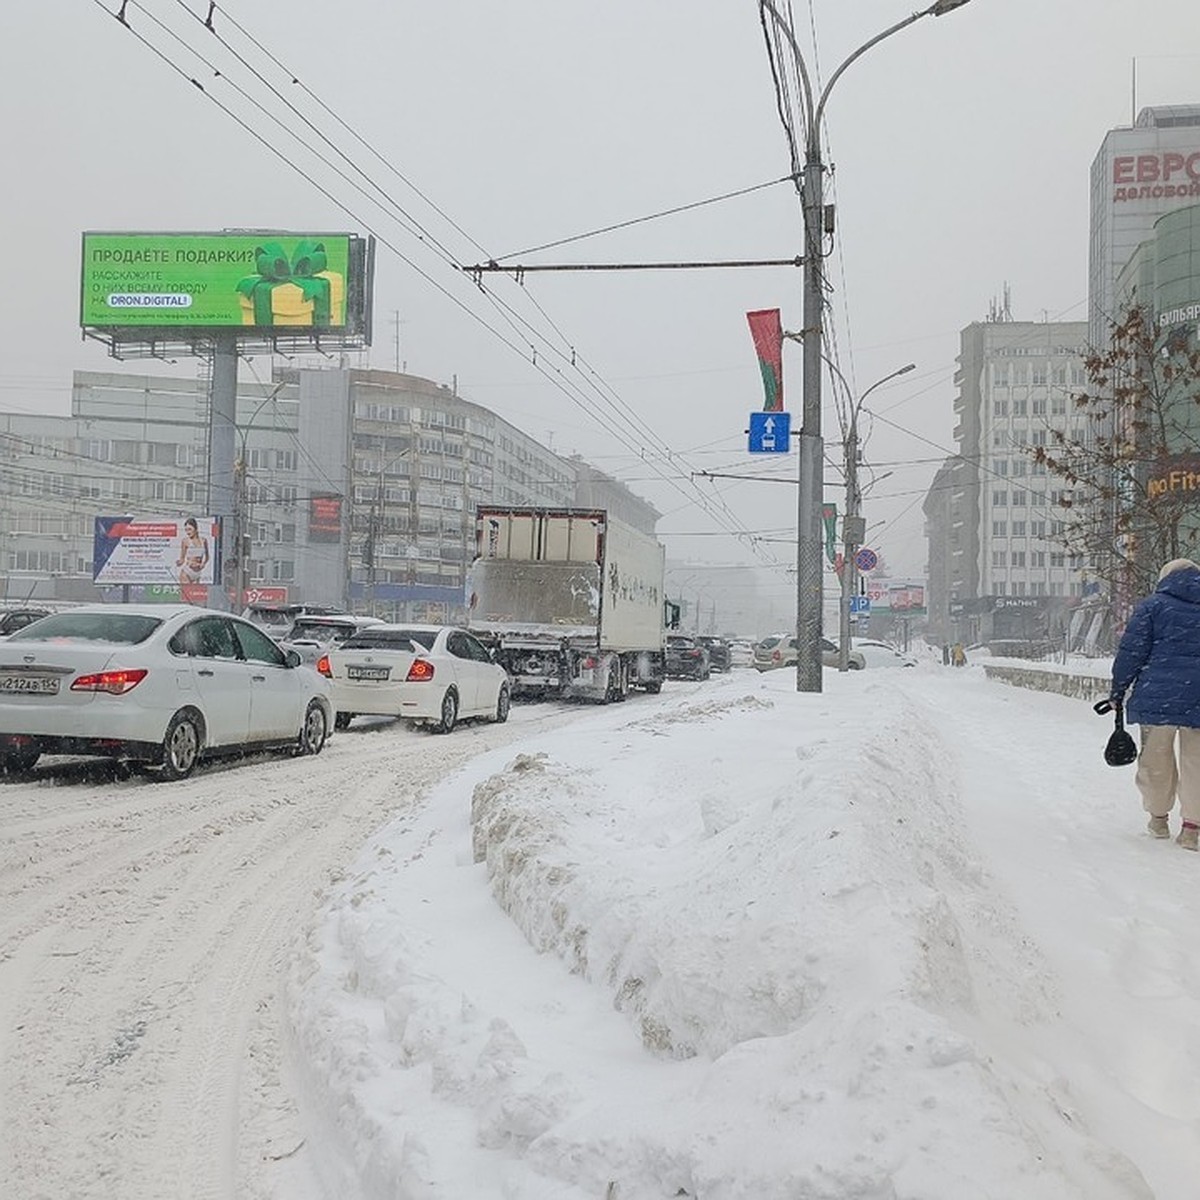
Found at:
<point>1120,750</point>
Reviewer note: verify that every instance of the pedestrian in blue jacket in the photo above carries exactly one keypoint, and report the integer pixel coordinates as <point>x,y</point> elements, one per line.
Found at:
<point>1159,659</point>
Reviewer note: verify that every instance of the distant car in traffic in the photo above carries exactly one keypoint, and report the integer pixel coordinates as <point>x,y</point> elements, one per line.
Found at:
<point>13,619</point>
<point>882,654</point>
<point>278,619</point>
<point>160,685</point>
<point>312,634</point>
<point>779,650</point>
<point>741,652</point>
<point>686,658</point>
<point>718,652</point>
<point>434,675</point>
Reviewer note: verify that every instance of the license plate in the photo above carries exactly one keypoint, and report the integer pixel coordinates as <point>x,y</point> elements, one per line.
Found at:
<point>368,673</point>
<point>40,685</point>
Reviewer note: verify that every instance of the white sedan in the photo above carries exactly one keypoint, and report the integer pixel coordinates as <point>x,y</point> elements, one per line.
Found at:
<point>165,685</point>
<point>431,674</point>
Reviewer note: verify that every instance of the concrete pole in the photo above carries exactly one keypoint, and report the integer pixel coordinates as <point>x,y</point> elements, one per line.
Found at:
<point>809,567</point>
<point>222,440</point>
<point>851,537</point>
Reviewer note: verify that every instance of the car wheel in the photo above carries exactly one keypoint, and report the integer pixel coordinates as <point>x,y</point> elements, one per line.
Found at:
<point>181,746</point>
<point>342,720</point>
<point>503,704</point>
<point>856,666</point>
<point>18,762</point>
<point>314,730</point>
<point>612,688</point>
<point>449,717</point>
<point>653,686</point>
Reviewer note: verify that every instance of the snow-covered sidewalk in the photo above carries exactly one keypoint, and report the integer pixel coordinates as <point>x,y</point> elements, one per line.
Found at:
<point>902,939</point>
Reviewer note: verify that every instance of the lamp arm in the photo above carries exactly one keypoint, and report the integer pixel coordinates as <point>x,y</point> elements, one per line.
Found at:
<point>820,110</point>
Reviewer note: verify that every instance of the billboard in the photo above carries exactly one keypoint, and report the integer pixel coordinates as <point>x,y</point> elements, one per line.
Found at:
<point>902,597</point>
<point>179,551</point>
<point>248,280</point>
<point>325,517</point>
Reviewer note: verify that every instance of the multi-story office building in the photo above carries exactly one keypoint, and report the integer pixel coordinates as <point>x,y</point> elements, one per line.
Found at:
<point>1140,173</point>
<point>354,488</point>
<point>1000,569</point>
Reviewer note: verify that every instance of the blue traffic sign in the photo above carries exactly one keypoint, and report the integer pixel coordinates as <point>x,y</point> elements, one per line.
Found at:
<point>770,432</point>
<point>860,604</point>
<point>866,560</point>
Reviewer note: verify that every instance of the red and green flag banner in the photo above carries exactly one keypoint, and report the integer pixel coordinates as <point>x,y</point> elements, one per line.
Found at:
<point>767,332</point>
<point>829,520</point>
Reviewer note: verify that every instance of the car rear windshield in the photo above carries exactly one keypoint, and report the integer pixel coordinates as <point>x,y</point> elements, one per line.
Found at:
<point>127,628</point>
<point>391,639</point>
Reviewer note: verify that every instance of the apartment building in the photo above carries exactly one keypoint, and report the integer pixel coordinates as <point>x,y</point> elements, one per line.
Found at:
<point>355,488</point>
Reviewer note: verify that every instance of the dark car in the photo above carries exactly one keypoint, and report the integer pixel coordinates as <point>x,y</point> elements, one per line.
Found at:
<point>718,652</point>
<point>686,658</point>
<point>17,618</point>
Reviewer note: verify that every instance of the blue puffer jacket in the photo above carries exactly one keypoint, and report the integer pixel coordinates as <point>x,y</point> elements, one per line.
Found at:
<point>1159,655</point>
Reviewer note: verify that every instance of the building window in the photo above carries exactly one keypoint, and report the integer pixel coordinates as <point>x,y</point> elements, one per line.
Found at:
<point>1018,529</point>
<point>1001,466</point>
<point>1000,375</point>
<point>999,408</point>
<point>1018,558</point>
<point>999,558</point>
<point>1000,499</point>
<point>1037,558</point>
<point>999,529</point>
<point>1039,375</point>
<point>1020,407</point>
<point>1039,406</point>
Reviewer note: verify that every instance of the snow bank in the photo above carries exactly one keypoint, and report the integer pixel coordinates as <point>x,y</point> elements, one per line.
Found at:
<point>728,945</point>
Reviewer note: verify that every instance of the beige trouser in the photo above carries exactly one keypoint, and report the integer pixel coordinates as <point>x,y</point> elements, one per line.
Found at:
<point>1160,779</point>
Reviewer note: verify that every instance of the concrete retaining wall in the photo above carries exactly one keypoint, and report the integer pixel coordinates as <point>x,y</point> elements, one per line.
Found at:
<point>1084,687</point>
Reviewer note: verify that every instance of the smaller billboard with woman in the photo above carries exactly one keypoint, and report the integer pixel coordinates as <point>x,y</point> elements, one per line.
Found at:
<point>151,549</point>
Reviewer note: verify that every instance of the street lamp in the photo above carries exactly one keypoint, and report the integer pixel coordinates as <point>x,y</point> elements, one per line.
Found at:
<point>853,525</point>
<point>376,526</point>
<point>809,568</point>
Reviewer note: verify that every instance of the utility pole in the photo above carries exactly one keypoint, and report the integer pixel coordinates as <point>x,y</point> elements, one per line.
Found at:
<point>817,224</point>
<point>854,527</point>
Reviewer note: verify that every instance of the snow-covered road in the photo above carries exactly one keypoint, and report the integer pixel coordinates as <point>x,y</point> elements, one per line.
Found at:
<point>142,930</point>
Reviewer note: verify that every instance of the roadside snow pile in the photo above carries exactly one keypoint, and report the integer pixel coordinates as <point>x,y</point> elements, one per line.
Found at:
<point>727,945</point>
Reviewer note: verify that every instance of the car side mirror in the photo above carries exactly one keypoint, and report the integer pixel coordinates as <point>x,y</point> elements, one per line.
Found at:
<point>292,658</point>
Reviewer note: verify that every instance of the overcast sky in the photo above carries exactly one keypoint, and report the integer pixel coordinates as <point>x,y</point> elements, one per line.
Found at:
<point>961,149</point>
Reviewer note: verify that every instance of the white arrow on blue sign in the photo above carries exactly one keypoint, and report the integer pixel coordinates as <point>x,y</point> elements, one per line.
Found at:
<point>770,432</point>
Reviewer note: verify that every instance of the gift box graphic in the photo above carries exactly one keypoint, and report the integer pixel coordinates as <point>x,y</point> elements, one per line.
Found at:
<point>293,291</point>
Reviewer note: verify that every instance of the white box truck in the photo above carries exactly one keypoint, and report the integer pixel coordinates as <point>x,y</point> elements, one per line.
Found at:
<point>570,601</point>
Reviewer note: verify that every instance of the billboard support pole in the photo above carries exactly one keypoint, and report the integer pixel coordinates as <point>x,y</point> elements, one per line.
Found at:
<point>222,436</point>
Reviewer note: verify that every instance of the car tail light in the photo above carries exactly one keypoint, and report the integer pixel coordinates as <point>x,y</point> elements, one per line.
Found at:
<point>775,656</point>
<point>323,667</point>
<point>420,672</point>
<point>691,654</point>
<point>116,683</point>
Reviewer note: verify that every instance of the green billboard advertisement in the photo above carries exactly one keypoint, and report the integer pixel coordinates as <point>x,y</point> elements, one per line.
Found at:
<point>247,280</point>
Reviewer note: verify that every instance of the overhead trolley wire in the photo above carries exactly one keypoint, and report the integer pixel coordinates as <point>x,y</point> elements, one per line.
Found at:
<point>513,319</point>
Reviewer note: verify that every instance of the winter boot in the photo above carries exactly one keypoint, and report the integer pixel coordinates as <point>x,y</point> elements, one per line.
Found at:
<point>1188,836</point>
<point>1158,827</point>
